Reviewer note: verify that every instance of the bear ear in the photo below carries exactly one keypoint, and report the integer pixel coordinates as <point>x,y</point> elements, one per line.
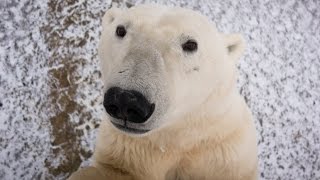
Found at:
<point>110,15</point>
<point>235,45</point>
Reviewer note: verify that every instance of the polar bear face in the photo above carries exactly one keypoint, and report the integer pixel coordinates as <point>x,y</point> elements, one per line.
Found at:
<point>160,63</point>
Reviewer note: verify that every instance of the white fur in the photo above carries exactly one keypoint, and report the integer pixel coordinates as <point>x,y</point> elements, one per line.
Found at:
<point>201,127</point>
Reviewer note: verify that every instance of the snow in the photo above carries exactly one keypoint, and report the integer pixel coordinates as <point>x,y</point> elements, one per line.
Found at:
<point>51,89</point>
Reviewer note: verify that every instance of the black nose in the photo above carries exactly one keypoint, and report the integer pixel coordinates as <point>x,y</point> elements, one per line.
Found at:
<point>127,105</point>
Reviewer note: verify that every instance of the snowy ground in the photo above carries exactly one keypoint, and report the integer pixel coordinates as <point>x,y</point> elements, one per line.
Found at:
<point>50,87</point>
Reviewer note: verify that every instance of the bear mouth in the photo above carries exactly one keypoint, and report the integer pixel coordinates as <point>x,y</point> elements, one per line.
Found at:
<point>130,130</point>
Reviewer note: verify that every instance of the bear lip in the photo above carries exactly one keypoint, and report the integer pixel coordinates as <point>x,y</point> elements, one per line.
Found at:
<point>129,129</point>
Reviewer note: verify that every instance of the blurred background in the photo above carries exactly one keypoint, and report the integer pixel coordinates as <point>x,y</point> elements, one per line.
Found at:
<point>51,89</point>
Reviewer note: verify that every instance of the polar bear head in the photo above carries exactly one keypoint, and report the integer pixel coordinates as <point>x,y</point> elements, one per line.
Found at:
<point>159,63</point>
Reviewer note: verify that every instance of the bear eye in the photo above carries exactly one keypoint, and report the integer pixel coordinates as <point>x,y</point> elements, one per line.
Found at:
<point>121,31</point>
<point>190,46</point>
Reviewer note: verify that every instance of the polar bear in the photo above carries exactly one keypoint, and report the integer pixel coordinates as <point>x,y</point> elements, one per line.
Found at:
<point>172,107</point>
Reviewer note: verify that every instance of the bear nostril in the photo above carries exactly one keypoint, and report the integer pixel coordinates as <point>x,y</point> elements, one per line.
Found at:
<point>134,115</point>
<point>113,109</point>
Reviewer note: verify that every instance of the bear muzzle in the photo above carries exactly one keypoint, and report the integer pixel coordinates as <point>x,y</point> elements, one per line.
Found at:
<point>127,106</point>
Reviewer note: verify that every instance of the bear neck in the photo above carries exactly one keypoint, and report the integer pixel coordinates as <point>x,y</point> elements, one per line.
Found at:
<point>215,120</point>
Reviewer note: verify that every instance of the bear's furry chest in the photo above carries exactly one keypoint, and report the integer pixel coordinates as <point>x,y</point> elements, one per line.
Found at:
<point>144,161</point>
<point>139,159</point>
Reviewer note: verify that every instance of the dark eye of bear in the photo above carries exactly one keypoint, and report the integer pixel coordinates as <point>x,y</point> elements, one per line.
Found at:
<point>190,46</point>
<point>121,31</point>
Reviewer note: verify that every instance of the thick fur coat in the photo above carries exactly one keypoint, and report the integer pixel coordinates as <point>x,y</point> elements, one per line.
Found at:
<point>201,127</point>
